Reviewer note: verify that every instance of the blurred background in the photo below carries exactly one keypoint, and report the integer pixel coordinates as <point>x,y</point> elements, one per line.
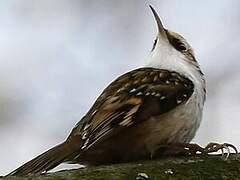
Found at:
<point>57,56</point>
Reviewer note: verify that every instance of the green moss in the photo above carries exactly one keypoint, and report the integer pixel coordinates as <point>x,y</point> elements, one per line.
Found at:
<point>201,167</point>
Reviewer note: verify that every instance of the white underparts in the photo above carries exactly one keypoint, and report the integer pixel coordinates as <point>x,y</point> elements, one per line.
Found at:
<point>184,120</point>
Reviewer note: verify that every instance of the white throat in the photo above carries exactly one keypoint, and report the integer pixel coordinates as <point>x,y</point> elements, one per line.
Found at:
<point>164,56</point>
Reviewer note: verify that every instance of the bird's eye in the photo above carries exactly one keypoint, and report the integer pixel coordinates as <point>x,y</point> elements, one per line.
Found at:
<point>181,47</point>
<point>178,45</point>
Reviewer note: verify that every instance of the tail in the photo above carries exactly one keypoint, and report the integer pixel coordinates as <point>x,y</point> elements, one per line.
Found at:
<point>49,159</point>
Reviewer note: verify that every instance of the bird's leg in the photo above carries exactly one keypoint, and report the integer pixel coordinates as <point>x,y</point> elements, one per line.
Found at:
<point>182,149</point>
<point>194,149</point>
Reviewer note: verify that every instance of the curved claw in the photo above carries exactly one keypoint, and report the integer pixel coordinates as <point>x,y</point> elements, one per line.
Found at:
<point>232,146</point>
<point>228,151</point>
<point>214,147</point>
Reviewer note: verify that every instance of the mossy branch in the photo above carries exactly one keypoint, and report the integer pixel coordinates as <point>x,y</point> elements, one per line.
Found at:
<point>199,167</point>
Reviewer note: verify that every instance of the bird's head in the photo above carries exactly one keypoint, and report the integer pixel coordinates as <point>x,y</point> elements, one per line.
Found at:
<point>171,51</point>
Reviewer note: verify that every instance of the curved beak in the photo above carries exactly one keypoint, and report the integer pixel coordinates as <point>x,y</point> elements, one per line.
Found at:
<point>161,30</point>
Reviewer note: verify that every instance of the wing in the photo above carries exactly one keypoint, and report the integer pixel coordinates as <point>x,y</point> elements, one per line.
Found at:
<point>133,97</point>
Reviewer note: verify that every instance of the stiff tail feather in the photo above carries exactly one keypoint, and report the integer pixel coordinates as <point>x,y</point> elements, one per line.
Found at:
<point>49,159</point>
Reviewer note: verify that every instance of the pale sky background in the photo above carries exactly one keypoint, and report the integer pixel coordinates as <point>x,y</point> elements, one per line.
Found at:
<point>57,56</point>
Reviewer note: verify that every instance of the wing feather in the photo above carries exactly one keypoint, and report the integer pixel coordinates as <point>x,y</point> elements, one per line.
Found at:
<point>133,97</point>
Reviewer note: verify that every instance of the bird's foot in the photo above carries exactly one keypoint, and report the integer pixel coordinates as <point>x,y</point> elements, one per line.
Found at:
<point>215,147</point>
<point>194,149</point>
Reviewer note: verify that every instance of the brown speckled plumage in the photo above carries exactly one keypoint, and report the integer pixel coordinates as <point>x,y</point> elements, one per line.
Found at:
<point>135,96</point>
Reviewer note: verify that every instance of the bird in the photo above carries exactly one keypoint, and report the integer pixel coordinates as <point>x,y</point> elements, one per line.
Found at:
<point>154,106</point>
